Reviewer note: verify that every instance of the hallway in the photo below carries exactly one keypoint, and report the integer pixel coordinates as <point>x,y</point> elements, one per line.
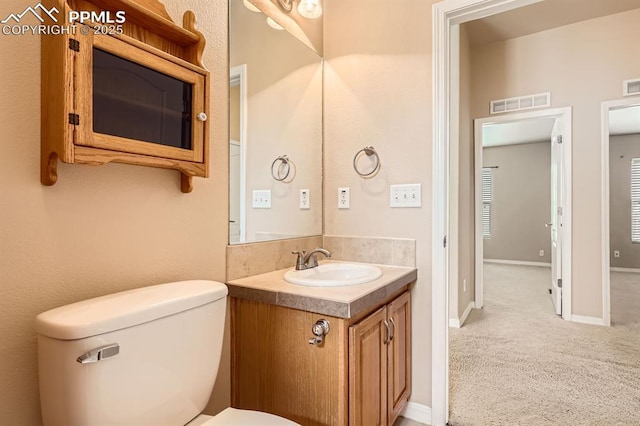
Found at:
<point>515,362</point>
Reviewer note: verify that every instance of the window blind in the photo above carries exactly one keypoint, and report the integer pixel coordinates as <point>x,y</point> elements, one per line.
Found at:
<point>635,200</point>
<point>487,197</point>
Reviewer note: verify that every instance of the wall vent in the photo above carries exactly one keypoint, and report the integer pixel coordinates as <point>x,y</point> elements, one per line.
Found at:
<point>631,87</point>
<point>539,100</point>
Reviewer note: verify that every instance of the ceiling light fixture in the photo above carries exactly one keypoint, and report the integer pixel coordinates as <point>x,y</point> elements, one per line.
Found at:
<point>310,9</point>
<point>252,7</point>
<point>273,24</point>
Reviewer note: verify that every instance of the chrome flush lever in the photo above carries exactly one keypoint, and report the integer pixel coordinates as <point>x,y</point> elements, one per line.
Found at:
<point>319,330</point>
<point>99,354</point>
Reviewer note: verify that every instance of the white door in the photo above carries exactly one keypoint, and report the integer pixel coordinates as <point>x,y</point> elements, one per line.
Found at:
<point>555,224</point>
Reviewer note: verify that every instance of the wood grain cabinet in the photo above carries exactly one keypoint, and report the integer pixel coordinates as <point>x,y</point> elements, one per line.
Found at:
<point>132,92</point>
<point>380,364</point>
<point>360,375</point>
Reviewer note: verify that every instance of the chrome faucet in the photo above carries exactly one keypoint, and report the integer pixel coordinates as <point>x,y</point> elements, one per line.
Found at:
<point>307,261</point>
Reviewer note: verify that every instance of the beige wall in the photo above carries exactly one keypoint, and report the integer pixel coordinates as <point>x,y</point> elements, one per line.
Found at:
<point>581,65</point>
<point>378,92</point>
<point>99,229</point>
<point>284,116</point>
<point>521,202</point>
<point>466,197</point>
<point>621,150</point>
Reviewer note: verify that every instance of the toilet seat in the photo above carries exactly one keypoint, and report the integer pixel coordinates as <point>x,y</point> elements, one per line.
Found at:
<point>234,417</point>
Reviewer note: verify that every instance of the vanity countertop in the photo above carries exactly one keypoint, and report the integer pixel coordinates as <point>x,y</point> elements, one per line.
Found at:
<point>342,302</point>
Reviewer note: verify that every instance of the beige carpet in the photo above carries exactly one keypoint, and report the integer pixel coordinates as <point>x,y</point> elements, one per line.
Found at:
<point>516,363</point>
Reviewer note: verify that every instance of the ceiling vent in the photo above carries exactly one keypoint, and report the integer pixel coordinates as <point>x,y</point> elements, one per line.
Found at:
<point>540,100</point>
<point>631,87</point>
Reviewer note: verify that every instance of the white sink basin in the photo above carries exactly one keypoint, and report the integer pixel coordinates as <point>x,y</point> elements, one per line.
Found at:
<point>334,275</point>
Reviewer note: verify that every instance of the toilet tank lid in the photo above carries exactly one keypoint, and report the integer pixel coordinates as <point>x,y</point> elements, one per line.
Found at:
<point>125,309</point>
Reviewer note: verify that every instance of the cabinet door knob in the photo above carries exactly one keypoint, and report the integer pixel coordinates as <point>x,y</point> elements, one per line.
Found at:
<point>201,116</point>
<point>388,332</point>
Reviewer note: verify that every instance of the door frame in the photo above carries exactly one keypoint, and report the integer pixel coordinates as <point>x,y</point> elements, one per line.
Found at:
<point>238,77</point>
<point>566,114</point>
<point>606,107</point>
<point>446,14</point>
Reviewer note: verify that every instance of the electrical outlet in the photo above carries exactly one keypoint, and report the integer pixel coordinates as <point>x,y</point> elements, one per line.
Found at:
<point>405,195</point>
<point>541,253</point>
<point>305,202</point>
<point>464,285</point>
<point>261,199</point>
<point>616,253</point>
<point>344,197</point>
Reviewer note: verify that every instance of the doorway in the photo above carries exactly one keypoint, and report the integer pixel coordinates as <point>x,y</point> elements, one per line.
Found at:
<point>620,206</point>
<point>553,125</point>
<point>447,15</point>
<point>237,153</point>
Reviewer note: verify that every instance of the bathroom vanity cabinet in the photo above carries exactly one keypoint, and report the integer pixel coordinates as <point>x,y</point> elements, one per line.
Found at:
<point>359,375</point>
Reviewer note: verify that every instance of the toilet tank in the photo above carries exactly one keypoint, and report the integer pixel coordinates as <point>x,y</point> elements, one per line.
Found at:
<point>147,356</point>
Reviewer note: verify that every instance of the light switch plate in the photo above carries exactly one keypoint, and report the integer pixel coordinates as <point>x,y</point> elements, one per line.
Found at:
<point>409,195</point>
<point>261,199</point>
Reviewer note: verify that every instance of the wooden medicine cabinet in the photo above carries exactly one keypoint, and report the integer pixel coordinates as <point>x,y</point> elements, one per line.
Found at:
<point>134,92</point>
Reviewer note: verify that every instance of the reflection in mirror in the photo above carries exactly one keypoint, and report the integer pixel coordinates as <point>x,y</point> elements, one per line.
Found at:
<point>275,110</point>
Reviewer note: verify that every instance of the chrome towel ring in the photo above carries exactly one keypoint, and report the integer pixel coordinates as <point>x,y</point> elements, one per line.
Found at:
<point>369,151</point>
<point>281,172</point>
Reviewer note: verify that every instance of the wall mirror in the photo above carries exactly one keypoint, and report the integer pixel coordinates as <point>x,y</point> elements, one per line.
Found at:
<point>275,134</point>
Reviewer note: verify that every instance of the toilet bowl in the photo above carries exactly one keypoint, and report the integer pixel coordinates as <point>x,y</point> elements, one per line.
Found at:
<point>147,356</point>
<point>235,417</point>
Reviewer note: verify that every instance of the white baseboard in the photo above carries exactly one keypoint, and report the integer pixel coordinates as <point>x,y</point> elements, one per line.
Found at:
<point>417,412</point>
<point>587,320</point>
<point>457,323</point>
<point>631,270</point>
<point>518,262</point>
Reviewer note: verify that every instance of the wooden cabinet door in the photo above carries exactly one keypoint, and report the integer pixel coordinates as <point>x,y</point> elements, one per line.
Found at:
<point>368,371</point>
<point>399,356</point>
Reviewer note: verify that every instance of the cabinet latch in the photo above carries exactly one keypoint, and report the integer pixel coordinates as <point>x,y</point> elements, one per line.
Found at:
<point>74,119</point>
<point>74,45</point>
<point>320,329</point>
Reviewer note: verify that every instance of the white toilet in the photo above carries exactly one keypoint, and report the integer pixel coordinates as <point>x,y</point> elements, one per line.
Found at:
<point>144,357</point>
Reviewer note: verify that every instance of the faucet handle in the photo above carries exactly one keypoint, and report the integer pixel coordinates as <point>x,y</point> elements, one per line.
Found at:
<point>300,259</point>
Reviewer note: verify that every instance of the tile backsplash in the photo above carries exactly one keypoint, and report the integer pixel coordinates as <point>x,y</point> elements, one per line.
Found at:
<point>385,251</point>
<point>244,260</point>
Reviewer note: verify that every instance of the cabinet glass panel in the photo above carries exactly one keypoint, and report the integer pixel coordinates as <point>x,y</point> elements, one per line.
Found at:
<point>135,102</point>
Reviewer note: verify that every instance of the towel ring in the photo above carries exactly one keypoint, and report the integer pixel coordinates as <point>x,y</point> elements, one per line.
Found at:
<point>283,162</point>
<point>369,151</point>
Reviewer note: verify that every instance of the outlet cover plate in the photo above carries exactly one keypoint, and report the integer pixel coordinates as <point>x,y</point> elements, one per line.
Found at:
<point>305,202</point>
<point>344,198</point>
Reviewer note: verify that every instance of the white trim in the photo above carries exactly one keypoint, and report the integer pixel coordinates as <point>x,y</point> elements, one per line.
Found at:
<point>459,322</point>
<point>518,262</point>
<point>606,264</point>
<point>445,14</point>
<point>629,270</point>
<point>587,320</point>
<point>566,114</point>
<point>238,77</point>
<point>417,412</point>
